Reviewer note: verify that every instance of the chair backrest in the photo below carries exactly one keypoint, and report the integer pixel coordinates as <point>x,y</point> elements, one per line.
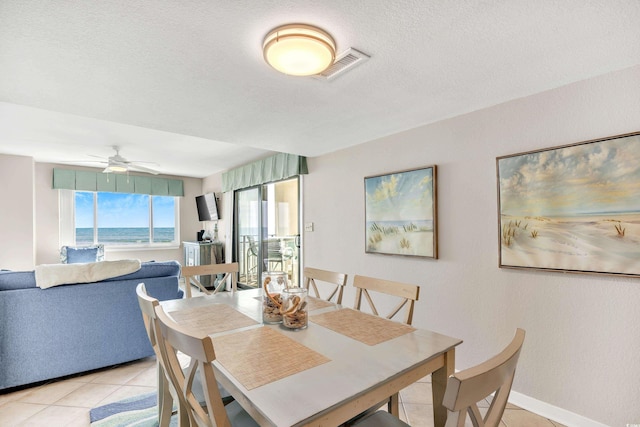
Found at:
<point>337,280</point>
<point>471,385</point>
<point>191,273</point>
<point>407,293</point>
<point>148,306</point>
<point>253,245</point>
<point>200,348</point>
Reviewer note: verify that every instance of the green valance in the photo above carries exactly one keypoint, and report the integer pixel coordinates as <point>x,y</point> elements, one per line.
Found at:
<point>275,168</point>
<point>67,179</point>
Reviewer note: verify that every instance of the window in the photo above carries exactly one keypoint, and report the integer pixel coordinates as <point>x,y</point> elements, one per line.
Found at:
<point>119,219</point>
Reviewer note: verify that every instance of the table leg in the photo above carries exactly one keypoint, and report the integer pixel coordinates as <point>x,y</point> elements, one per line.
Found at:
<point>393,405</point>
<point>438,386</point>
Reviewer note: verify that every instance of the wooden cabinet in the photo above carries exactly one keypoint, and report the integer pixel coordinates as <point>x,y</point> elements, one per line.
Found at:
<point>203,253</point>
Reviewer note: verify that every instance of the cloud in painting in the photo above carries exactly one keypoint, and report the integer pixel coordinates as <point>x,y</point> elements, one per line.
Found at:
<point>400,196</point>
<point>587,178</point>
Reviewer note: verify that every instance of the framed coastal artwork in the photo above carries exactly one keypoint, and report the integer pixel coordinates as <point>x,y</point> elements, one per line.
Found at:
<point>574,208</point>
<point>400,213</point>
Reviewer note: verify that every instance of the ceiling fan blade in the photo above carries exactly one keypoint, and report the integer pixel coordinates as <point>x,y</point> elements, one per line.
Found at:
<point>138,162</point>
<point>75,162</point>
<point>142,169</point>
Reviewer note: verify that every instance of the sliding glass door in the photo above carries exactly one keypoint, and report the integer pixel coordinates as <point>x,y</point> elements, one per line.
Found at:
<point>267,233</point>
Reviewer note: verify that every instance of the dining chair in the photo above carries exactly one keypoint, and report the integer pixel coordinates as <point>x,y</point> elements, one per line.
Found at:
<point>337,280</point>
<point>468,387</point>
<point>200,348</point>
<point>148,306</point>
<point>165,400</point>
<point>407,293</point>
<point>192,272</point>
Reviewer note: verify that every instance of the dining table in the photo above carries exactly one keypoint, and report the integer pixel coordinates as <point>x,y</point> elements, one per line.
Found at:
<point>343,363</point>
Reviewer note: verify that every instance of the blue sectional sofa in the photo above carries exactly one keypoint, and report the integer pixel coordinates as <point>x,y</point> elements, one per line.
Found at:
<point>68,329</point>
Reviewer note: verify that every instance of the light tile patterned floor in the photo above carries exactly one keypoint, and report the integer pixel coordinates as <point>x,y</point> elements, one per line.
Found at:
<point>67,402</point>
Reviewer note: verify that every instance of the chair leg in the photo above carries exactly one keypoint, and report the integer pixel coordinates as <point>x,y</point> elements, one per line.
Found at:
<point>165,400</point>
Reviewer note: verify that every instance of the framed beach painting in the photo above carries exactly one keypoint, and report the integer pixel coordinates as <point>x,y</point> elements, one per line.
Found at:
<point>400,213</point>
<point>574,208</point>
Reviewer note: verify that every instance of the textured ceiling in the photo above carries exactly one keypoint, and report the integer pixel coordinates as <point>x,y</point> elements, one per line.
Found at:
<point>183,83</point>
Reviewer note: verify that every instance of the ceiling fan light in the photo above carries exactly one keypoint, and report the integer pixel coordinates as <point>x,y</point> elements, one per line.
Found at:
<point>299,50</point>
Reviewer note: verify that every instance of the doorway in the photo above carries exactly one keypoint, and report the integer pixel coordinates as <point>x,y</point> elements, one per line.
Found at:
<point>267,231</point>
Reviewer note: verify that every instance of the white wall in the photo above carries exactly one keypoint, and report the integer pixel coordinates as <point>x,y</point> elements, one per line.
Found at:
<point>16,212</point>
<point>583,331</point>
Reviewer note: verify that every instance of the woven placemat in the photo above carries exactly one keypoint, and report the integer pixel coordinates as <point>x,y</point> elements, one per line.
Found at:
<point>256,357</point>
<point>363,327</point>
<point>314,303</point>
<point>212,318</point>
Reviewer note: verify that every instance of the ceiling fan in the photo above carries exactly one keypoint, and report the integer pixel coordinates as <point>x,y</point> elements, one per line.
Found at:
<point>117,163</point>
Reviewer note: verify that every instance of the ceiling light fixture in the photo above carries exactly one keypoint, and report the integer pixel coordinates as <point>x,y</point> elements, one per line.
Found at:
<point>299,50</point>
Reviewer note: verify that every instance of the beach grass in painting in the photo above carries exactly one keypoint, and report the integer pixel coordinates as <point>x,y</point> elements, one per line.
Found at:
<point>400,213</point>
<point>573,208</point>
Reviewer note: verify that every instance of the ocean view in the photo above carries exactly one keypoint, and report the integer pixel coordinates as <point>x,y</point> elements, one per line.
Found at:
<point>125,235</point>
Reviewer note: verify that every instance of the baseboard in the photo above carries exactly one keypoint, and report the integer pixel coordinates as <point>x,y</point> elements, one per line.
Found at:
<point>551,412</point>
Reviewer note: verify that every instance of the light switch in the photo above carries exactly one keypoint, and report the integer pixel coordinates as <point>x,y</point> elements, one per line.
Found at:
<point>308,226</point>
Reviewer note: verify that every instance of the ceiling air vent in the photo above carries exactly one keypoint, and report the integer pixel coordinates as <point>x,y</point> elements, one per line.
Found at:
<point>344,62</point>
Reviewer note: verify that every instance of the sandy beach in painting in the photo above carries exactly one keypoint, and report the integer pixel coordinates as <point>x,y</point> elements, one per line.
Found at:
<point>405,239</point>
<point>603,243</point>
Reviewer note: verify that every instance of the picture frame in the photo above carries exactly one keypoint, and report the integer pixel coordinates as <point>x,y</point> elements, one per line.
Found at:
<point>572,208</point>
<point>401,213</point>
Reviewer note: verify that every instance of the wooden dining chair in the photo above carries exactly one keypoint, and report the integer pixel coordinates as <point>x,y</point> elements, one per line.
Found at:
<point>468,387</point>
<point>165,400</point>
<point>407,293</point>
<point>331,280</point>
<point>166,392</point>
<point>191,274</point>
<point>200,348</point>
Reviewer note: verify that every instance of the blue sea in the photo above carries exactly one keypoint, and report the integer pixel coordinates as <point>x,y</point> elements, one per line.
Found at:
<point>125,235</point>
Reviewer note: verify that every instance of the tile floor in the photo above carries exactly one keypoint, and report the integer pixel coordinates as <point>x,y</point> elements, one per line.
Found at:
<point>67,402</point>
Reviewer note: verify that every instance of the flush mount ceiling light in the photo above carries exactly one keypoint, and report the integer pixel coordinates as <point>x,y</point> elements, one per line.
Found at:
<point>299,50</point>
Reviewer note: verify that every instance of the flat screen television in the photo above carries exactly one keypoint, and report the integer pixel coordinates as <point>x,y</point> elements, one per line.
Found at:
<point>207,207</point>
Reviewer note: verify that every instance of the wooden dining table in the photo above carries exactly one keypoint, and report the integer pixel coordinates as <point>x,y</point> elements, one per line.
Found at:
<point>342,364</point>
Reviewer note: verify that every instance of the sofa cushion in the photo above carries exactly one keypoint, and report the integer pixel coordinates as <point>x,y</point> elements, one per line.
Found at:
<point>81,254</point>
<point>12,280</point>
